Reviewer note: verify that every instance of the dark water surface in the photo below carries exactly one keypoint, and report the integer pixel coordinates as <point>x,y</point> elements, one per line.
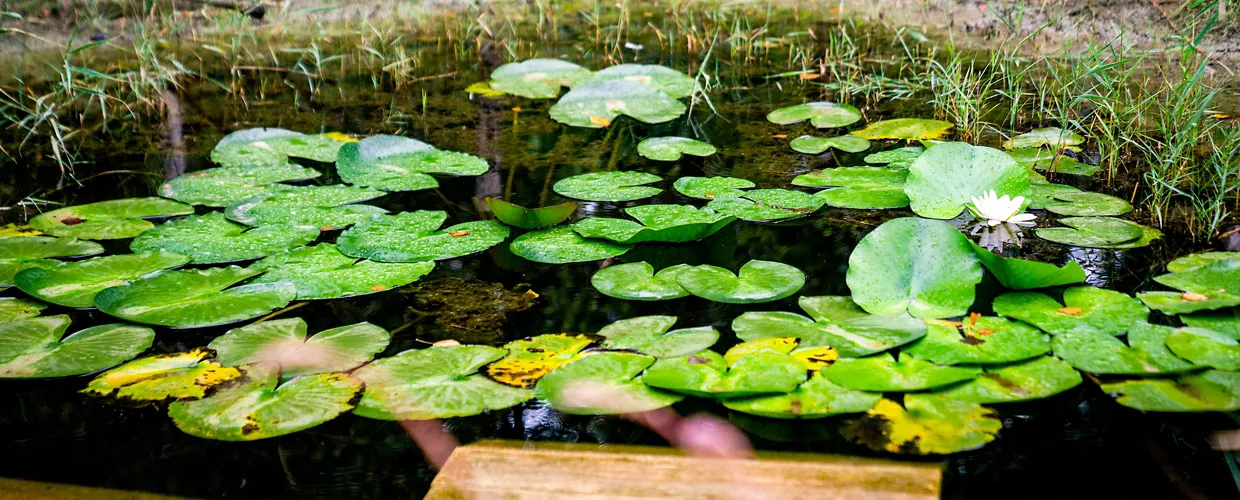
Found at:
<point>1076,445</point>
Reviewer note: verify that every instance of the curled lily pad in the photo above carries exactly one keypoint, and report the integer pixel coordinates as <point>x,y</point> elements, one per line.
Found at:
<point>1225,322</point>
<point>668,80</point>
<point>284,343</point>
<point>183,375</point>
<point>667,223</point>
<point>944,179</point>
<point>1088,204</point>
<point>816,145</point>
<point>416,237</point>
<point>193,299</point>
<point>33,348</point>
<point>1211,390</point>
<point>436,382</point>
<point>1097,352</point>
<point>709,188</point>
<point>1041,195</point>
<point>597,104</point>
<point>650,335</point>
<point>909,129</point>
<point>1051,161</point>
<point>838,323</point>
<point>220,187</point>
<point>638,281</point>
<point>604,383</point>
<point>984,340</point>
<point>671,148</point>
<point>14,309</point>
<point>900,157</point>
<point>1021,274</point>
<point>764,205</point>
<point>322,272</point>
<point>537,78</point>
<point>1084,309</point>
<point>706,374</point>
<point>107,220</point>
<point>926,424</point>
<point>1041,377</point>
<point>608,186</point>
<point>1205,348</point>
<point>530,218</point>
<point>562,245</point>
<point>756,281</point>
<point>75,284</point>
<point>820,114</point>
<point>921,266</point>
<point>484,89</point>
<point>858,187</point>
<point>1211,286</point>
<point>212,239</point>
<point>1051,137</point>
<point>817,398</point>
<point>883,373</point>
<point>18,253</point>
<point>323,207</point>
<point>271,147</point>
<point>259,407</point>
<point>530,359</point>
<point>394,163</point>
<point>1094,232</point>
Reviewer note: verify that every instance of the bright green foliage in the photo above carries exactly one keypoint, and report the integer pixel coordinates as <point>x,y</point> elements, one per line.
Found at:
<point>1051,161</point>
<point>1088,204</point>
<point>908,129</point>
<point>212,239</point>
<point>1021,274</point>
<point>271,147</point>
<point>927,424</point>
<point>816,145</point>
<point>537,78</point>
<point>33,347</point>
<point>817,398</point>
<point>947,176</point>
<point>1225,322</point>
<point>988,340</point>
<point>820,114</point>
<point>220,187</point>
<point>765,205</point>
<point>14,309</point>
<point>322,272</point>
<point>562,245</point>
<point>18,253</point>
<point>756,281</point>
<point>858,187</point>
<point>668,80</point>
<point>75,284</point>
<point>322,207</point>
<point>1197,260</point>
<point>1051,137</point>
<point>608,186</point>
<point>394,163</point>
<point>283,342</point>
<point>883,373</point>
<point>1203,347</point>
<point>416,237</point>
<point>1099,232</point>
<point>596,104</point>
<point>605,383</point>
<point>706,374</point>
<point>1041,195</point>
<point>638,281</point>
<point>1096,352</point>
<point>666,223</point>
<point>193,299</point>
<point>896,158</point>
<point>1187,302</point>
<point>1041,377</point>
<point>107,220</point>
<point>1211,390</point>
<point>924,267</point>
<point>436,382</point>
<point>530,218</point>
<point>183,375</point>
<point>1214,285</point>
<point>837,322</point>
<point>1084,309</point>
<point>653,336</point>
<point>671,148</point>
<point>709,188</point>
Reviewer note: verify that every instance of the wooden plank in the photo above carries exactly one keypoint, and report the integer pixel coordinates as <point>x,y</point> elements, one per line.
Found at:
<point>515,469</point>
<point>18,489</point>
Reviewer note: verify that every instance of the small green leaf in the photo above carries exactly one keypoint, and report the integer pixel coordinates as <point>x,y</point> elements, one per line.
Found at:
<point>638,281</point>
<point>671,148</point>
<point>530,218</point>
<point>665,223</point>
<point>705,374</point>
<point>820,114</point>
<point>562,245</point>
<point>608,186</point>
<point>606,383</point>
<point>650,335</point>
<point>709,188</point>
<point>838,323</point>
<point>756,281</point>
<point>817,145</point>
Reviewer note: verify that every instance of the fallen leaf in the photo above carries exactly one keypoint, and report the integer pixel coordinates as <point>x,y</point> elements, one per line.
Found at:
<point>517,109</point>
<point>532,294</point>
<point>446,343</point>
<point>1193,297</point>
<point>458,234</point>
<point>378,288</point>
<point>973,317</point>
<point>810,76</point>
<point>985,331</point>
<point>1071,311</point>
<point>600,121</point>
<point>779,136</point>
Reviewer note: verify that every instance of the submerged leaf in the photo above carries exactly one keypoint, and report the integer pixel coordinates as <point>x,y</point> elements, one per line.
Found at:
<point>436,382</point>
<point>608,186</point>
<point>1088,204</point>
<point>604,383</point>
<point>1050,161</point>
<point>284,343</point>
<point>416,237</point>
<point>194,299</point>
<point>562,245</point>
<point>212,239</point>
<point>1051,137</point>
<point>896,158</point>
<point>33,348</point>
<point>671,148</point>
<point>924,267</point>
<point>107,220</point>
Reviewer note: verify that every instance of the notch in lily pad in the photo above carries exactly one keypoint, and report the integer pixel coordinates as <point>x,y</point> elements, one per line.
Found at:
<point>1021,274</point>
<point>530,218</point>
<point>194,298</point>
<point>107,220</point>
<point>653,336</point>
<point>608,186</point>
<point>756,281</point>
<point>284,343</point>
<point>436,382</point>
<point>394,163</point>
<point>34,347</point>
<point>768,205</point>
<point>1146,352</point>
<point>709,188</point>
<point>837,322</point>
<point>597,104</point>
<point>923,267</point>
<point>820,114</point>
<point>672,148</point>
<point>663,223</point>
<point>416,237</point>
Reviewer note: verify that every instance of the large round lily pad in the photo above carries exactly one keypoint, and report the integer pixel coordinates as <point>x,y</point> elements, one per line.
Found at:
<point>837,322</point>
<point>984,340</point>
<point>1041,377</point>
<point>1094,232</point>
<point>668,80</point>
<point>1097,352</point>
<point>530,218</point>
<point>323,207</point>
<point>1021,274</point>
<point>653,336</point>
<point>672,148</point>
<point>605,383</point>
<point>1211,390</point>
<point>858,187</point>
<point>322,272</point>
<point>608,186</point>
<point>537,78</point>
<point>283,342</point>
<point>436,382</point>
<point>756,281</point>
<point>638,281</point>
<point>530,359</point>
<point>709,188</point>
<point>817,398</point>
<point>706,374</point>
<point>394,163</point>
<point>212,239</point>
<point>817,145</point>
<point>926,424</point>
<point>1088,204</point>
<point>945,178</point>
<point>220,187</point>
<point>271,147</point>
<point>192,299</point>
<point>765,205</point>
<point>75,284</point>
<point>597,104</point>
<point>909,129</point>
<point>33,347</point>
<point>820,114</point>
<point>562,245</point>
<point>1050,137</point>
<point>183,375</point>
<point>416,237</point>
<point>1084,309</point>
<point>107,220</point>
<point>924,267</point>
<point>14,309</point>
<point>883,373</point>
<point>666,223</point>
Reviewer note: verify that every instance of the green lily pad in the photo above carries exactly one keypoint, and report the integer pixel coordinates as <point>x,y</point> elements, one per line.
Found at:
<point>259,407</point>
<point>562,245</point>
<point>1042,195</point>
<point>1225,322</point>
<point>1203,347</point>
<point>530,218</point>
<point>271,147</point>
<point>15,309</point>
<point>944,179</point>
<point>709,188</point>
<point>924,267</point>
<point>323,207</point>
<point>608,186</point>
<point>220,187</point>
<point>926,424</point>
<point>529,360</point>
<point>182,375</point>
<point>1187,302</point>
<point>212,239</point>
<point>666,223</point>
<point>668,80</point>
<point>394,163</point>
<point>18,253</point>
<point>107,220</point>
<point>756,281</point>
<point>436,382</point>
<point>653,336</point>
<point>900,157</point>
<point>1211,390</point>
<point>1038,378</point>
<point>820,114</point>
<point>1051,161</point>
<point>416,237</point>
<point>605,383</point>
<point>1195,261</point>
<point>705,374</point>
<point>883,373</point>
<point>764,205</point>
<point>597,104</point>
<point>322,272</point>
<point>817,145</point>
<point>75,284</point>
<point>671,148</point>
<point>908,129</point>
<point>283,342</point>
<point>1084,309</point>
<point>817,398</point>
<point>1093,232</point>
<point>858,187</point>
<point>1097,352</point>
<point>838,323</point>
<point>537,78</point>
<point>1148,235</point>
<point>33,348</point>
<point>1021,274</point>
<point>1211,286</point>
<point>1050,137</point>
<point>988,340</point>
<point>193,299</point>
<point>1088,204</point>
<point>638,281</point>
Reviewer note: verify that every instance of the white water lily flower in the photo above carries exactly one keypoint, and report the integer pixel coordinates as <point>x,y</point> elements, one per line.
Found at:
<point>995,210</point>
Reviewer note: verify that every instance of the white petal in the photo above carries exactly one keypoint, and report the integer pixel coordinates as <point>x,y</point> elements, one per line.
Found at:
<point>1022,218</point>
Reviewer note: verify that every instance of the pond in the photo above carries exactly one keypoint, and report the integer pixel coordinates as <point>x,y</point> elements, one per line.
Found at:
<point>1076,443</point>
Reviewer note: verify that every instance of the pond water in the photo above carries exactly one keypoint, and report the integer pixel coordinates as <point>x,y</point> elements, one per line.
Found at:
<point>1076,444</point>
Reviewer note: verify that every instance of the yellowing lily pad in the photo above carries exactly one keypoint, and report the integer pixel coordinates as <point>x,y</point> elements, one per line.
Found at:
<point>925,425</point>
<point>530,359</point>
<point>909,129</point>
<point>183,375</point>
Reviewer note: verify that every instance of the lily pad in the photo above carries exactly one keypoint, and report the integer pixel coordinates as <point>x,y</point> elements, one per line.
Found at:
<point>665,223</point>
<point>817,145</point>
<point>322,272</point>
<point>638,281</point>
<point>605,383</point>
<point>1195,261</point>
<point>107,220</point>
<point>672,148</point>
<point>650,335</point>
<point>608,186</point>
<point>1041,195</point>
<point>183,375</point>
<point>1021,274</point>
<point>900,157</point>
<point>924,267</point>
<point>284,343</point>
<point>33,348</point>
<point>984,340</point>
<point>530,359</point>
<point>1211,286</point>
<point>858,187</point>
<point>15,309</point>
<point>530,218</point>
<point>668,80</point>
<point>1088,204</point>
<point>18,253</point>
<point>817,398</point>
<point>484,89</point>
<point>756,281</point>
<point>436,382</point>
<point>597,104</point>
<point>537,78</point>
<point>1038,378</point>
<point>944,179</point>
<point>220,187</point>
<point>1203,347</point>
<point>323,207</point>
<point>1211,390</point>
<point>838,323</point>
<point>1084,309</point>
<point>271,147</point>
<point>709,188</point>
<point>909,129</point>
<point>1097,352</point>
<point>1051,161</point>
<point>1225,322</point>
<point>416,237</point>
<point>1050,137</point>
<point>706,374</point>
<point>820,114</point>
<point>394,163</point>
<point>75,284</point>
<point>1093,232</point>
<point>926,424</point>
<point>257,408</point>
<point>562,245</point>
<point>212,239</point>
<point>765,205</point>
<point>1187,302</point>
<point>883,373</point>
<point>193,299</point>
